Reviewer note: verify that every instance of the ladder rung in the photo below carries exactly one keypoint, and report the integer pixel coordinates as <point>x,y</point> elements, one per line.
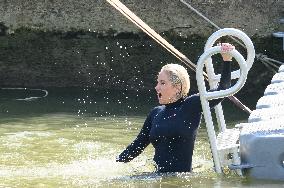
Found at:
<point>228,139</point>
<point>228,146</point>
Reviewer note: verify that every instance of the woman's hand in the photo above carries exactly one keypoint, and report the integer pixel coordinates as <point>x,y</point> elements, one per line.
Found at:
<point>226,47</point>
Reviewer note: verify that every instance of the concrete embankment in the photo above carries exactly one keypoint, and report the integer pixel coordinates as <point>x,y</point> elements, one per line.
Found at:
<point>88,43</point>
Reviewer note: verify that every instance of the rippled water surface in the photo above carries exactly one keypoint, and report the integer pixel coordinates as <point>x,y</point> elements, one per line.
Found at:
<point>71,139</point>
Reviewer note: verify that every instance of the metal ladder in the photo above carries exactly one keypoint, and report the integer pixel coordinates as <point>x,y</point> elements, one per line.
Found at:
<point>224,145</point>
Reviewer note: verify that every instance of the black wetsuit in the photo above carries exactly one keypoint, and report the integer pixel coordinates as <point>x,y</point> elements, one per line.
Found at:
<point>172,130</point>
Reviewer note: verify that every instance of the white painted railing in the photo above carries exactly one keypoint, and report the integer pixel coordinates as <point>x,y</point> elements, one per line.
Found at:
<point>213,78</point>
<point>234,33</point>
<point>205,96</point>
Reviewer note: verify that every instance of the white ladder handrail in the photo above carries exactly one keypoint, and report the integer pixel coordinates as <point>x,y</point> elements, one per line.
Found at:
<point>205,95</point>
<point>235,33</point>
<point>222,93</point>
<point>213,78</point>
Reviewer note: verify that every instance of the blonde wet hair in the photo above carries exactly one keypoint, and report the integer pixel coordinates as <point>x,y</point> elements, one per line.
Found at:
<point>178,75</point>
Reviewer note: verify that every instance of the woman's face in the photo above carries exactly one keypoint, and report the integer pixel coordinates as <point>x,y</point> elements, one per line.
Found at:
<point>166,92</point>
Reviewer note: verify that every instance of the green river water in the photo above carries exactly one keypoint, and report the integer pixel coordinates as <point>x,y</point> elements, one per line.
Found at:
<point>71,139</point>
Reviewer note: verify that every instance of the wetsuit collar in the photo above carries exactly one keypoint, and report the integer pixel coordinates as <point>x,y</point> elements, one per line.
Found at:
<point>174,104</point>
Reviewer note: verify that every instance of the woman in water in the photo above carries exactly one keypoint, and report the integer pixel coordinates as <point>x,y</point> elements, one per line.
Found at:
<point>171,128</point>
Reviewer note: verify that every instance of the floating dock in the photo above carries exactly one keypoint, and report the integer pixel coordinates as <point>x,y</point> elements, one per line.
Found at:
<point>262,138</point>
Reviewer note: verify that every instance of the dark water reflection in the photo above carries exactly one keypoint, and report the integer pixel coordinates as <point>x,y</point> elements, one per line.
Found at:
<point>78,100</point>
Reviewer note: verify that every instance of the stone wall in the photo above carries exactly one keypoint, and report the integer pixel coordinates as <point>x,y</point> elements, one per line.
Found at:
<point>254,17</point>
<point>87,43</point>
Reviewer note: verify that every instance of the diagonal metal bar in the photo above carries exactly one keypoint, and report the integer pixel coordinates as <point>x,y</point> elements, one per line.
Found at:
<point>148,30</point>
<point>143,26</point>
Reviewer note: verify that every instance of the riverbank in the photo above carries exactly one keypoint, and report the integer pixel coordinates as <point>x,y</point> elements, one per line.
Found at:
<point>259,18</point>
<point>32,58</point>
<point>86,44</point>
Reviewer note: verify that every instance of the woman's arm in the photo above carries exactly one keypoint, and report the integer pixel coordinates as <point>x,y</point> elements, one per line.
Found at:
<point>138,145</point>
<point>225,81</point>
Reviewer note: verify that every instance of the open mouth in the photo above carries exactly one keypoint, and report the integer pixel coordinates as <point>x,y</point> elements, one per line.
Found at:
<point>159,95</point>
